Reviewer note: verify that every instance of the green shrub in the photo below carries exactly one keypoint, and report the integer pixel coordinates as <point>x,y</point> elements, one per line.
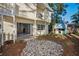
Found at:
<point>76,33</point>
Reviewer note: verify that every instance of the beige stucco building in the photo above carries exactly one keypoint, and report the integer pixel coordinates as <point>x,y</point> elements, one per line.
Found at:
<point>23,19</point>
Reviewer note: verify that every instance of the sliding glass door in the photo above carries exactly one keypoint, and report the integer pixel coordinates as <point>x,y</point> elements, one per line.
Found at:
<point>23,28</point>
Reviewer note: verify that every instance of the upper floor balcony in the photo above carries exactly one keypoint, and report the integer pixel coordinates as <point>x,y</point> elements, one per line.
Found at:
<point>27,15</point>
<point>43,16</point>
<point>40,15</point>
<point>43,12</point>
<point>6,9</point>
<point>29,11</point>
<point>35,16</point>
<point>26,10</point>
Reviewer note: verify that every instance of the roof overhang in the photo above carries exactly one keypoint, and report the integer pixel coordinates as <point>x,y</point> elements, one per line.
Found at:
<point>48,7</point>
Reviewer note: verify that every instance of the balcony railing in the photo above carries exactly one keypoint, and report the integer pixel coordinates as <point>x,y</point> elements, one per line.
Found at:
<point>5,11</point>
<point>44,17</point>
<point>30,15</point>
<point>39,15</point>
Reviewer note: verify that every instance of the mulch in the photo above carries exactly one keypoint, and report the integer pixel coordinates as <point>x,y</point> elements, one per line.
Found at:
<point>72,49</point>
<point>70,46</point>
<point>13,49</point>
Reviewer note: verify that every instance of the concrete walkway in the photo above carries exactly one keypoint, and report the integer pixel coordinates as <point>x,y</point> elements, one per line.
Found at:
<point>26,37</point>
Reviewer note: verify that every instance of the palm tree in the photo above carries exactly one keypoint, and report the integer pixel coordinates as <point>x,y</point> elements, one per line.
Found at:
<point>59,9</point>
<point>75,20</point>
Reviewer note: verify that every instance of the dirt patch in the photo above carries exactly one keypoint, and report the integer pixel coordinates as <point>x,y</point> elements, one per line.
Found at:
<point>11,49</point>
<point>70,45</point>
<point>73,48</point>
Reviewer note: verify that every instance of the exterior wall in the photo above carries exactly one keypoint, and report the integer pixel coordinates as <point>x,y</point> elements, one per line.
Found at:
<point>46,28</point>
<point>8,27</point>
<point>42,32</point>
<point>42,13</point>
<point>34,26</point>
<point>27,10</point>
<point>7,11</point>
<point>24,13</point>
<point>24,20</point>
<point>57,32</point>
<point>1,30</point>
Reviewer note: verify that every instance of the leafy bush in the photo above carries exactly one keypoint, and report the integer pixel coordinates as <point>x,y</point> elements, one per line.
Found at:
<point>76,33</point>
<point>52,37</point>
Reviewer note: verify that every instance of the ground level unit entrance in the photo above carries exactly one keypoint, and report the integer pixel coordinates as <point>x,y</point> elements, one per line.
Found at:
<point>24,29</point>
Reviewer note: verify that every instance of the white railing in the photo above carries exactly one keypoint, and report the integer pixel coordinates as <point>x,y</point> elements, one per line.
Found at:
<point>33,15</point>
<point>30,15</point>
<point>39,15</point>
<point>5,11</point>
<point>43,17</point>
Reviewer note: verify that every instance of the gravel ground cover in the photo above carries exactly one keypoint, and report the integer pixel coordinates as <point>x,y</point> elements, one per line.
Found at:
<point>42,48</point>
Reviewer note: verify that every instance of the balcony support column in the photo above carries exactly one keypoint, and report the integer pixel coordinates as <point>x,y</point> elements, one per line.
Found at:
<point>34,28</point>
<point>46,28</point>
<point>14,23</point>
<point>2,39</point>
<point>15,29</point>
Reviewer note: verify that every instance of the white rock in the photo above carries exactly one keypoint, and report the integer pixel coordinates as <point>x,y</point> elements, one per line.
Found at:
<point>42,48</point>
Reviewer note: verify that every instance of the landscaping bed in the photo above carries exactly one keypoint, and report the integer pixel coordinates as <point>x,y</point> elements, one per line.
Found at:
<point>66,42</point>
<point>53,37</point>
<point>72,49</point>
<point>76,42</point>
<point>42,48</point>
<point>61,39</point>
<point>11,49</point>
<point>76,33</point>
<point>43,45</point>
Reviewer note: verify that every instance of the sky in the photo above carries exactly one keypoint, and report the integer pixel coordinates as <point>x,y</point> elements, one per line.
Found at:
<point>71,9</point>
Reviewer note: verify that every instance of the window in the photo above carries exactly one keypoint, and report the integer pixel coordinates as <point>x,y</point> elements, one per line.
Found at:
<point>40,27</point>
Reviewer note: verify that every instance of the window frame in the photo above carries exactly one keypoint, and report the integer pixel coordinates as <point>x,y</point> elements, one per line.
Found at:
<point>40,27</point>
